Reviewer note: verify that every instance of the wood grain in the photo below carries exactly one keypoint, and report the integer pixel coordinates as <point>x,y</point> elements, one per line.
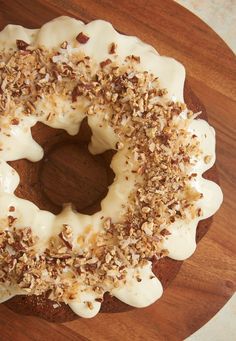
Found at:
<point>207,279</point>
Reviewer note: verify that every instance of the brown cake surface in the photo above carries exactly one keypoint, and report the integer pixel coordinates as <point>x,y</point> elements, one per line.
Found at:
<point>48,184</point>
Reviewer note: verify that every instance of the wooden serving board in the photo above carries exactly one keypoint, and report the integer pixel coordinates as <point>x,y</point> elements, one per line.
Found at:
<point>207,280</point>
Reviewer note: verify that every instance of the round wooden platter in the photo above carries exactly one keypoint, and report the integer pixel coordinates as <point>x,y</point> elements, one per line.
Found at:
<point>207,280</point>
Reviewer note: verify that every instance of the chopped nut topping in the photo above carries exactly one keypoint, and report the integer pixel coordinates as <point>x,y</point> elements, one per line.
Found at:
<point>99,300</point>
<point>112,48</point>
<point>105,63</point>
<point>146,209</point>
<point>15,121</point>
<point>11,220</point>
<point>82,38</point>
<point>21,44</point>
<point>207,159</point>
<point>146,122</point>
<point>133,58</point>
<point>90,305</point>
<point>119,145</point>
<point>165,232</point>
<point>66,236</point>
<point>64,45</point>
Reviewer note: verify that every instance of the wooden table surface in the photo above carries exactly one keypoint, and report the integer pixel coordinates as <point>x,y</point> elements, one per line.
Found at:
<point>207,280</point>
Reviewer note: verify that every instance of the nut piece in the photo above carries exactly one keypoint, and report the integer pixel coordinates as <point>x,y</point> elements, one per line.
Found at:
<point>82,38</point>
<point>207,159</point>
<point>105,63</point>
<point>165,232</point>
<point>15,121</point>
<point>21,44</point>
<point>112,48</point>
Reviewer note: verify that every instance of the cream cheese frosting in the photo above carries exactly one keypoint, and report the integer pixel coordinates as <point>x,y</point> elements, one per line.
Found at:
<point>16,142</point>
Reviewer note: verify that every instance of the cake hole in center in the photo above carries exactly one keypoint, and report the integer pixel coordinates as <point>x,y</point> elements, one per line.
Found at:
<point>68,173</point>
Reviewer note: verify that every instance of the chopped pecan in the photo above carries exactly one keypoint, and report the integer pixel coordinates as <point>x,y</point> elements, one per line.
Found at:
<point>65,241</point>
<point>112,48</point>
<point>82,38</point>
<point>90,267</point>
<point>76,93</point>
<point>15,121</point>
<point>98,299</point>
<point>64,45</point>
<point>11,220</point>
<point>165,232</point>
<point>21,44</point>
<point>105,63</point>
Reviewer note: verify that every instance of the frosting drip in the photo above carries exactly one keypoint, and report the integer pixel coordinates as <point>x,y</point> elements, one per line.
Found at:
<point>20,144</point>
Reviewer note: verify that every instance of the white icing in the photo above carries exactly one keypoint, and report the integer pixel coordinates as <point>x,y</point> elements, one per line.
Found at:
<point>139,294</point>
<point>80,306</point>
<point>181,243</point>
<point>8,292</point>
